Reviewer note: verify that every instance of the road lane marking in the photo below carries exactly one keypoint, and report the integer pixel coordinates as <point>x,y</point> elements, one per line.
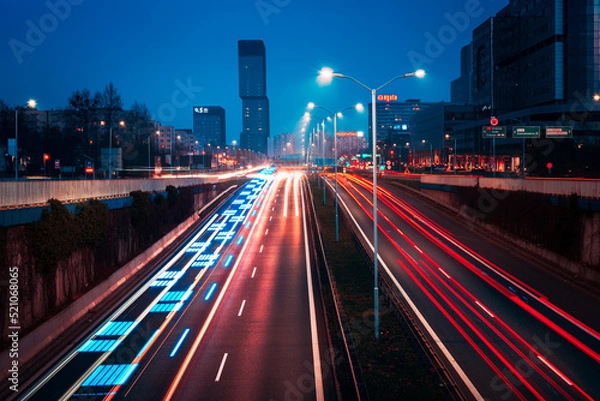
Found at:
<point>486,310</point>
<point>552,368</point>
<point>316,354</point>
<point>176,348</point>
<point>242,307</point>
<point>271,218</point>
<point>221,367</point>
<point>287,195</point>
<point>266,231</point>
<point>253,272</point>
<point>261,249</point>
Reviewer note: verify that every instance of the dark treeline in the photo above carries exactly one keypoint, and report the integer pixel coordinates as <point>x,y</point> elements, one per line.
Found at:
<point>75,134</point>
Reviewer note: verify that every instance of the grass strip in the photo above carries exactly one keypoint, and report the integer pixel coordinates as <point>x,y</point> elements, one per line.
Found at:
<point>393,368</point>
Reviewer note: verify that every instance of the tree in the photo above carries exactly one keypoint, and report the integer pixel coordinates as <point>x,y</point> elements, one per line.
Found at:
<point>140,128</point>
<point>82,120</point>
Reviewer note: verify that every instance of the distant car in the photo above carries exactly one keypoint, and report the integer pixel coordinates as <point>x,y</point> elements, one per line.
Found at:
<point>439,168</point>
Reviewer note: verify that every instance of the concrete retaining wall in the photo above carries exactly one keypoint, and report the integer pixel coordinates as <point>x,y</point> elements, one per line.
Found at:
<point>582,187</point>
<point>41,337</point>
<point>37,192</point>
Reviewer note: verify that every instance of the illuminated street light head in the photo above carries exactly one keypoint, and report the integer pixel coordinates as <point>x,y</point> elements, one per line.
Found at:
<point>325,76</point>
<point>31,103</point>
<point>359,107</point>
<point>423,141</point>
<point>420,73</point>
<point>310,106</point>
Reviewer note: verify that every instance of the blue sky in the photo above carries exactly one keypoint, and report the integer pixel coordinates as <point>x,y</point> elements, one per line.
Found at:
<point>173,55</point>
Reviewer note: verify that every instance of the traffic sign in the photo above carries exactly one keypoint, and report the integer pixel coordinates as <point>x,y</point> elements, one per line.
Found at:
<point>526,132</point>
<point>559,132</point>
<point>493,132</point>
<point>494,121</point>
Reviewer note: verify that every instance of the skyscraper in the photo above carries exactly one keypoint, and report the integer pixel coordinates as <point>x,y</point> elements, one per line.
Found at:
<point>253,92</point>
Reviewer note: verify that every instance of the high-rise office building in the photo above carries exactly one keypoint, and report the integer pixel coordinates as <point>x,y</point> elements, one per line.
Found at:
<point>534,63</point>
<point>460,88</point>
<point>253,92</point>
<point>393,117</point>
<point>209,126</point>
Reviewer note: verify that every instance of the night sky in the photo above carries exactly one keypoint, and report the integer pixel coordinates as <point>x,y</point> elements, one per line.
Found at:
<point>150,50</point>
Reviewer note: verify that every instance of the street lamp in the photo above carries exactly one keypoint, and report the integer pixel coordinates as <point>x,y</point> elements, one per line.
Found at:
<point>360,108</point>
<point>110,155</point>
<point>413,155</point>
<point>31,104</point>
<point>149,165</point>
<point>326,75</point>
<point>430,155</point>
<point>454,161</point>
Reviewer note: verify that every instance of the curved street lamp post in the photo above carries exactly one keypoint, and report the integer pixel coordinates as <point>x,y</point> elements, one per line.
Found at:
<point>325,76</point>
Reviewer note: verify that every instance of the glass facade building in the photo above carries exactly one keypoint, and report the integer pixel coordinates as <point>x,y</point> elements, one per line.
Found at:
<point>253,92</point>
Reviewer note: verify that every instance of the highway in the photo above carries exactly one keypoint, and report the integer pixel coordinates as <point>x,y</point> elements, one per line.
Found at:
<point>505,328</point>
<point>233,314</point>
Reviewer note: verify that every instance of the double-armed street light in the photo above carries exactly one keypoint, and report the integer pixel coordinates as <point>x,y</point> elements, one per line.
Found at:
<point>326,75</point>
<point>358,107</point>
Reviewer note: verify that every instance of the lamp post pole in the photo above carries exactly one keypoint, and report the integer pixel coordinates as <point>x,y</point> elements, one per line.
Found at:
<point>326,75</point>
<point>16,162</point>
<point>110,158</point>
<point>31,104</point>
<point>455,160</point>
<point>430,155</point>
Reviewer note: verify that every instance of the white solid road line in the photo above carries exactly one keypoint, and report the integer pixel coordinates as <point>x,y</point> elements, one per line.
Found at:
<point>221,368</point>
<point>313,316</point>
<point>253,272</point>
<point>242,307</point>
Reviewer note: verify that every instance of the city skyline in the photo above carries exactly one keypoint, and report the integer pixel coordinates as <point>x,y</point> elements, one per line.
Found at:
<point>182,64</point>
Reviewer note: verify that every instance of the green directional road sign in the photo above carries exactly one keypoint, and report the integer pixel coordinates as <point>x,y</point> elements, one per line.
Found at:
<point>559,132</point>
<point>493,132</point>
<point>526,132</point>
